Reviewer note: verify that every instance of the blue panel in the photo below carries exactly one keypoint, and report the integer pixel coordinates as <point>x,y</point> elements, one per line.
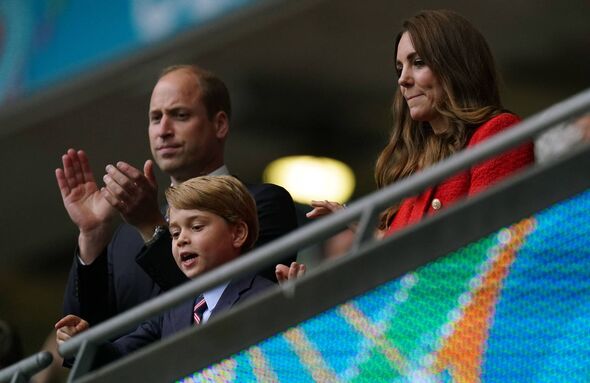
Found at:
<point>511,307</point>
<point>43,42</point>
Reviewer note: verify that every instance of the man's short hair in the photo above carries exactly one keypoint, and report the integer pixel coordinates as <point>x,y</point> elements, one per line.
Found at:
<point>225,196</point>
<point>214,93</point>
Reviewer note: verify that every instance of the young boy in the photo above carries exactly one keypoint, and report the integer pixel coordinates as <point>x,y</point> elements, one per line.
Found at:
<point>213,220</point>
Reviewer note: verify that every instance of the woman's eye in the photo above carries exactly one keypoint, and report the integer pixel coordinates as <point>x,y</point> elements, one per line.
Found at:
<point>419,62</point>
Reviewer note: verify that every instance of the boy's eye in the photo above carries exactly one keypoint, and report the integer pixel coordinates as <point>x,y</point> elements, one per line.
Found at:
<point>197,227</point>
<point>174,234</point>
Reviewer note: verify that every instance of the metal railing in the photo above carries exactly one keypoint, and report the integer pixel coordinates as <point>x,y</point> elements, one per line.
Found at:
<point>23,370</point>
<point>366,210</point>
<point>268,317</point>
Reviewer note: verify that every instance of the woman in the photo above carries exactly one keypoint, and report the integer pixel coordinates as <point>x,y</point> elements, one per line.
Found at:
<point>447,100</point>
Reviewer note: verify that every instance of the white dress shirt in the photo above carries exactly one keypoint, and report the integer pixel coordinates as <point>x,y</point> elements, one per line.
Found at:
<point>212,298</point>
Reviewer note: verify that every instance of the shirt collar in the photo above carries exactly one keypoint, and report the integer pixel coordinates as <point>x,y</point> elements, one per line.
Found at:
<point>221,171</point>
<point>212,296</point>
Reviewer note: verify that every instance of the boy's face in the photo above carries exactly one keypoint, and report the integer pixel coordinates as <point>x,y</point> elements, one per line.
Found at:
<point>201,240</point>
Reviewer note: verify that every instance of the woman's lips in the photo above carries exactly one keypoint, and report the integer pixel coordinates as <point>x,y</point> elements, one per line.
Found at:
<point>413,96</point>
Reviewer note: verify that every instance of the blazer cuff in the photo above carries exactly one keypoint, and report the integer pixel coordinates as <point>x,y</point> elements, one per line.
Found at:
<point>157,261</point>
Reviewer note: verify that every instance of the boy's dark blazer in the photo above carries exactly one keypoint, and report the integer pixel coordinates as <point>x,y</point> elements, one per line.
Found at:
<point>181,317</point>
<point>115,282</point>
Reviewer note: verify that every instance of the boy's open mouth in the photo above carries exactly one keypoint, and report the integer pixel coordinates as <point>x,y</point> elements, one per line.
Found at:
<point>188,258</point>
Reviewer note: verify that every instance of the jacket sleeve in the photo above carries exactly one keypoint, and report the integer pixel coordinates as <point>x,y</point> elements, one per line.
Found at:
<point>147,332</point>
<point>497,168</point>
<point>157,261</point>
<point>276,212</point>
<point>113,283</point>
<point>88,294</point>
<point>276,217</point>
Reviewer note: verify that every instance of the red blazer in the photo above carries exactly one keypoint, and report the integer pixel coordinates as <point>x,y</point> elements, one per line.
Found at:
<point>469,182</point>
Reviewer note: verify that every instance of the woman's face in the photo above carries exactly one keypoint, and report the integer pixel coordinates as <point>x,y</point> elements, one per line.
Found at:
<point>419,86</point>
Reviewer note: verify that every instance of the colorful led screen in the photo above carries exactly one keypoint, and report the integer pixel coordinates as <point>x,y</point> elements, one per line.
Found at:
<point>511,307</point>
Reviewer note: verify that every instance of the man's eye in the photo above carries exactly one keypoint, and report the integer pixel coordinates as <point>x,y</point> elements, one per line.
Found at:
<point>155,119</point>
<point>182,115</point>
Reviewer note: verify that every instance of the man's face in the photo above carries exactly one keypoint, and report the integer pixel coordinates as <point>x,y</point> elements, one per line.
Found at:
<point>202,241</point>
<point>184,142</point>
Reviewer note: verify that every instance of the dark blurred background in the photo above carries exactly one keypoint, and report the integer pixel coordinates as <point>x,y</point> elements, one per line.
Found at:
<point>307,77</point>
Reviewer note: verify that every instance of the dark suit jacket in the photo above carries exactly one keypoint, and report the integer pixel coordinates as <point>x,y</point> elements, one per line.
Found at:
<point>180,318</point>
<point>114,282</point>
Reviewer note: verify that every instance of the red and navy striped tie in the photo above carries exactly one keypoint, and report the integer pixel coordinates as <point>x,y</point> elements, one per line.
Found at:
<point>198,310</point>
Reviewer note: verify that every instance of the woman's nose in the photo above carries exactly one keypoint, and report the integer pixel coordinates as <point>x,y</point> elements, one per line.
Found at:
<point>404,78</point>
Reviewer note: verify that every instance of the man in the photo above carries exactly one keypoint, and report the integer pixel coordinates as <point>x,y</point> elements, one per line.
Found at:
<point>189,122</point>
<point>212,221</point>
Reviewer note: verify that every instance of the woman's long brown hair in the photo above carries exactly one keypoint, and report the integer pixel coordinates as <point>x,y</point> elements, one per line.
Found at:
<point>459,56</point>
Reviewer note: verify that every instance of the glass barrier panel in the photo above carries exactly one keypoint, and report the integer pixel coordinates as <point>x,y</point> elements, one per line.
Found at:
<point>513,306</point>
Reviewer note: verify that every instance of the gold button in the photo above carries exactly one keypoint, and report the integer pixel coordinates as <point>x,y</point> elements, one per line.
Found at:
<point>436,204</point>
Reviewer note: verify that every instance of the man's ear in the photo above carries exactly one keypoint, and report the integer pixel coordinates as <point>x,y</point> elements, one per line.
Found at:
<point>221,122</point>
<point>240,234</point>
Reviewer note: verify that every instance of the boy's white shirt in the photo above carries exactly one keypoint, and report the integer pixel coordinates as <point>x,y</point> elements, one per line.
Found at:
<point>212,298</point>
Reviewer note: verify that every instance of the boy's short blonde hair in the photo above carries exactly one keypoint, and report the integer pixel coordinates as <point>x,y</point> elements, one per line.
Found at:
<point>225,196</point>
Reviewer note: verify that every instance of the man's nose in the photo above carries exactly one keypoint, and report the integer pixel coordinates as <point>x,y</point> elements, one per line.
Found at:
<point>166,127</point>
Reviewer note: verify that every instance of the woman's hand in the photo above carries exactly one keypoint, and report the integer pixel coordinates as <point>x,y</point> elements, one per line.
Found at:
<point>321,208</point>
<point>284,272</point>
<point>69,326</point>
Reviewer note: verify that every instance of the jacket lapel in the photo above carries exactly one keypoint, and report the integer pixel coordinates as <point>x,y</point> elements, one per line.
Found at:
<point>181,317</point>
<point>232,293</point>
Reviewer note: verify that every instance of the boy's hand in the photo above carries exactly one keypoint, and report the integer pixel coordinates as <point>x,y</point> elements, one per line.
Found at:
<point>321,208</point>
<point>69,326</point>
<point>284,273</point>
